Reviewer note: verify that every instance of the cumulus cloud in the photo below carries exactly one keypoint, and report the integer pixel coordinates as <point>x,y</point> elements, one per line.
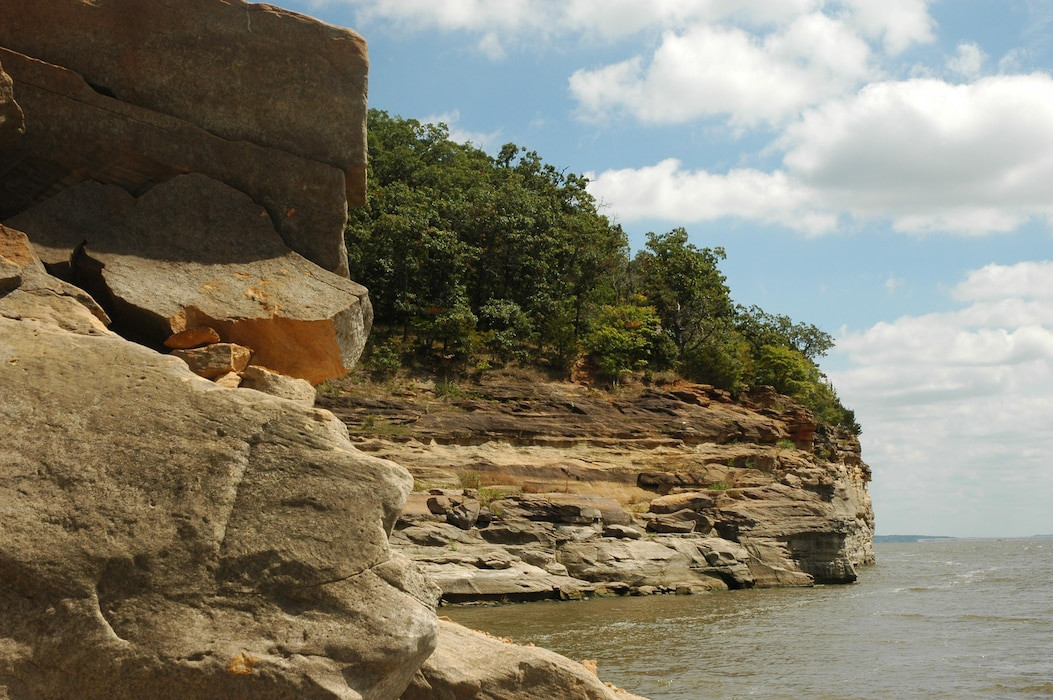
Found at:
<point>947,401</point>
<point>932,155</point>
<point>898,24</point>
<point>927,155</point>
<point>709,70</point>
<point>667,191</point>
<point>1026,281</point>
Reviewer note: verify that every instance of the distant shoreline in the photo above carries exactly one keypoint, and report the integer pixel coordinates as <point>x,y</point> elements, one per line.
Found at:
<point>933,538</point>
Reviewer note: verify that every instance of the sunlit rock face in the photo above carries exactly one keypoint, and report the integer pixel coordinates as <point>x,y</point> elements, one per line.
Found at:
<point>537,489</point>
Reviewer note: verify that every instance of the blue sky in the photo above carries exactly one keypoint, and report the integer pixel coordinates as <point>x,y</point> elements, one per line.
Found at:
<point>880,169</point>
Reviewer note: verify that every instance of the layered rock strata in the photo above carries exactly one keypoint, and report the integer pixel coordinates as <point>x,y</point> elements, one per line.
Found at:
<point>242,71</point>
<point>529,489</point>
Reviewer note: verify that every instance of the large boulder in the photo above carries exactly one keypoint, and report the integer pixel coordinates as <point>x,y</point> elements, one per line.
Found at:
<point>193,252</point>
<point>244,72</point>
<point>75,133</point>
<point>162,537</point>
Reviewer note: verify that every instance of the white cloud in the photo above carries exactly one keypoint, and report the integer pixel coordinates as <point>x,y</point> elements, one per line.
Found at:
<point>968,60</point>
<point>530,23</point>
<point>710,70</point>
<point>932,155</point>
<point>927,155</point>
<point>1026,281</point>
<point>947,400</point>
<point>897,23</point>
<point>667,191</point>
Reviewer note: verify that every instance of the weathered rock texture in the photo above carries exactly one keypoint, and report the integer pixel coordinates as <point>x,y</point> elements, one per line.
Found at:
<point>151,127</point>
<point>182,169</point>
<point>245,72</point>
<point>543,489</point>
<point>165,268</point>
<point>162,537</point>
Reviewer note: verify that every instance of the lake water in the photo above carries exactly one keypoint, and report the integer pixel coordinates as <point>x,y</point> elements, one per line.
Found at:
<point>936,619</point>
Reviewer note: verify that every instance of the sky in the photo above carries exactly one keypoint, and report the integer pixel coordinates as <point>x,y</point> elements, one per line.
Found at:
<point>883,170</point>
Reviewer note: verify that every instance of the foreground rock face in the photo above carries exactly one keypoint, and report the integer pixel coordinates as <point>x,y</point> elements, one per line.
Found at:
<point>148,137</point>
<point>572,492</point>
<point>163,537</point>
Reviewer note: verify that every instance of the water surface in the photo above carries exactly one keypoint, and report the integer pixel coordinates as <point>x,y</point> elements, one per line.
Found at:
<point>940,619</point>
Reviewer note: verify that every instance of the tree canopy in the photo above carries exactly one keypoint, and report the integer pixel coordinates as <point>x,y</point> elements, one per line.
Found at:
<point>473,260</point>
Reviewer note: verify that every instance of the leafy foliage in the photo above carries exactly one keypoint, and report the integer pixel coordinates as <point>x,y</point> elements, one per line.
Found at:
<point>473,259</point>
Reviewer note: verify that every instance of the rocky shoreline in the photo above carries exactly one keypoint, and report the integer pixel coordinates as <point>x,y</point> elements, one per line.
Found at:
<point>528,489</point>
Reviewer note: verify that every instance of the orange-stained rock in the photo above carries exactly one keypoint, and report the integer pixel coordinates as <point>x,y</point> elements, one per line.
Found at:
<point>194,252</point>
<point>156,527</point>
<point>27,291</point>
<point>216,360</point>
<point>192,338</point>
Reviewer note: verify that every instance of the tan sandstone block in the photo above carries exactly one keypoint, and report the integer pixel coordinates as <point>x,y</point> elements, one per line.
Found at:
<point>215,360</point>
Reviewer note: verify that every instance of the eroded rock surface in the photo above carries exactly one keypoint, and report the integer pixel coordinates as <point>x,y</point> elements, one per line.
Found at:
<point>148,138</point>
<point>194,252</point>
<point>658,489</point>
<point>163,537</point>
<point>74,134</point>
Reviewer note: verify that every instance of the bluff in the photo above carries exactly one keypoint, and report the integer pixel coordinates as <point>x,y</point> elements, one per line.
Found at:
<point>530,489</point>
<point>178,520</point>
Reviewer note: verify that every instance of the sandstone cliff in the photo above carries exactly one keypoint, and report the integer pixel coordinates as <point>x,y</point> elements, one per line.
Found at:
<point>530,489</point>
<point>178,520</point>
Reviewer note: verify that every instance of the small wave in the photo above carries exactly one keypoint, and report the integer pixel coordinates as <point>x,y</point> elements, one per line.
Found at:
<point>972,617</point>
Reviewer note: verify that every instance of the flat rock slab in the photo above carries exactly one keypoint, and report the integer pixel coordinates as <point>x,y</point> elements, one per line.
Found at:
<point>262,379</point>
<point>194,252</point>
<point>215,360</point>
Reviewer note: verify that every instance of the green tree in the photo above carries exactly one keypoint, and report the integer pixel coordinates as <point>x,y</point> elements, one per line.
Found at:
<point>689,293</point>
<point>623,339</point>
